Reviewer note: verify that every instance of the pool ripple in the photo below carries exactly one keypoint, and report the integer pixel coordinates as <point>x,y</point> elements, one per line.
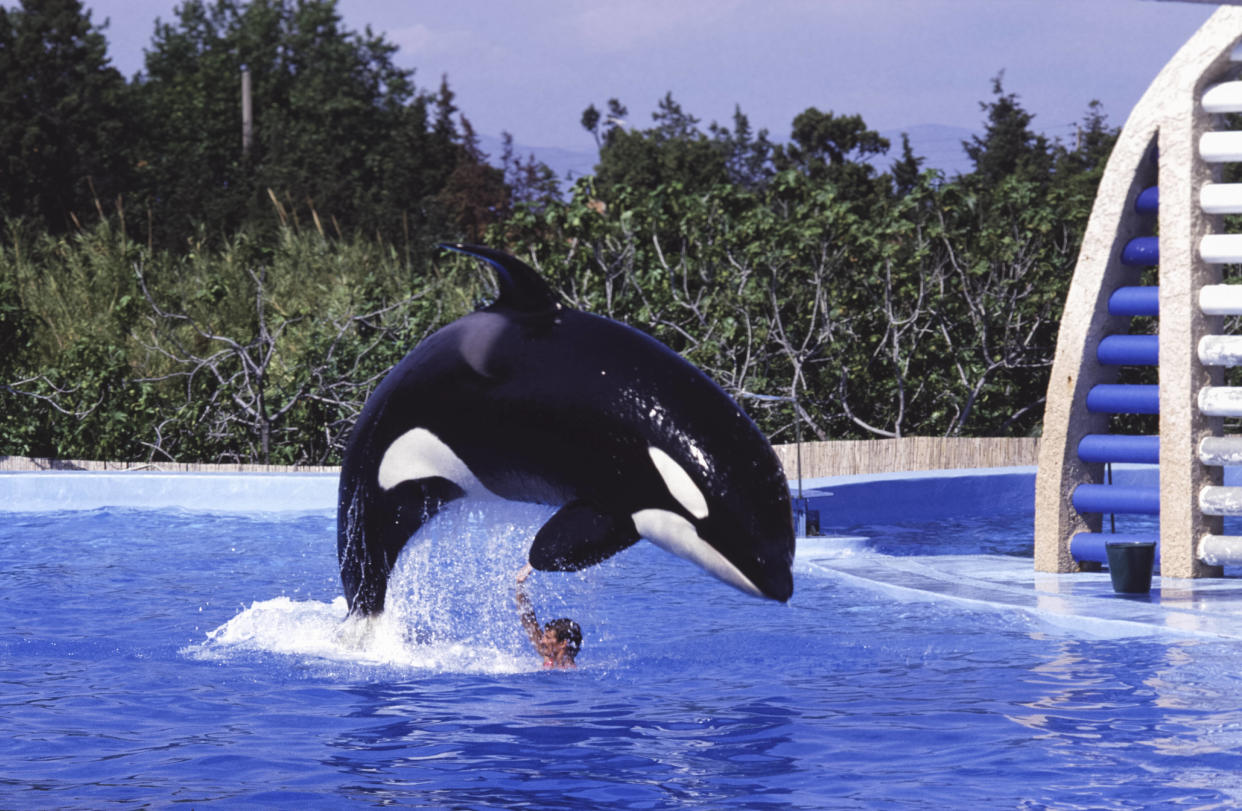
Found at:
<point>957,679</point>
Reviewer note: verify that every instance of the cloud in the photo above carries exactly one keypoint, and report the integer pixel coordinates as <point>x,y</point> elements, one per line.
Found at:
<point>627,24</point>
<point>421,41</point>
<point>412,39</point>
<point>467,56</point>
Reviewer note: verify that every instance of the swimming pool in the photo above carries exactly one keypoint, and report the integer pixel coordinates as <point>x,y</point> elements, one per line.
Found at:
<point>173,655</point>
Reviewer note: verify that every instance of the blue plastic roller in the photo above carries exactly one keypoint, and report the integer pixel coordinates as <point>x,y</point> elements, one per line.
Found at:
<point>1134,300</point>
<point>1124,398</point>
<point>1114,498</point>
<point>1119,448</point>
<point>1091,545</point>
<point>1128,350</point>
<point>1141,252</point>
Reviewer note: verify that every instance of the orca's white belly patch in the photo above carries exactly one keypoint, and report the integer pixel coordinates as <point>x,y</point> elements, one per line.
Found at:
<point>420,454</point>
<point>673,533</point>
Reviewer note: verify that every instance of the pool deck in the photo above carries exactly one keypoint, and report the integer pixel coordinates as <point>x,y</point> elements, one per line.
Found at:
<point>1083,602</point>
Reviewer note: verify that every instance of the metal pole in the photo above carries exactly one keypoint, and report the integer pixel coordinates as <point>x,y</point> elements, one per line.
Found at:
<point>777,398</point>
<point>798,442</point>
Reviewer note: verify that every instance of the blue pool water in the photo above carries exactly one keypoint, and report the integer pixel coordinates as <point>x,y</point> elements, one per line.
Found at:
<point>159,657</point>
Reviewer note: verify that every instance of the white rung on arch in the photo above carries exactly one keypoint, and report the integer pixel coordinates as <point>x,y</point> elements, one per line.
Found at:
<point>1221,299</point>
<point>1221,451</point>
<point>1218,500</point>
<point>1220,550</point>
<point>1221,198</point>
<point>1221,401</point>
<point>1221,249</point>
<point>1220,350</point>
<point>1220,147</point>
<point>1225,97</point>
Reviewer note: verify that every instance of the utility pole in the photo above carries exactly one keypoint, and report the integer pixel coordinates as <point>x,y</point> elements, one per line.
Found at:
<point>247,114</point>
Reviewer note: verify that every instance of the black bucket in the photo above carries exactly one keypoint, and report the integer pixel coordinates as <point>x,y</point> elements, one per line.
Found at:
<point>1130,564</point>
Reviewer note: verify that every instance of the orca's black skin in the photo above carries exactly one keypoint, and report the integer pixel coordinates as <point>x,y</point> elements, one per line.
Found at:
<point>547,404</point>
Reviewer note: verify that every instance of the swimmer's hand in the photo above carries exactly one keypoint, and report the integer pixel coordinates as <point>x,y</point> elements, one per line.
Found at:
<point>524,573</point>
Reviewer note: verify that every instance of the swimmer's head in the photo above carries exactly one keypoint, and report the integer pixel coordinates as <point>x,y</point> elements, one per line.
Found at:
<point>566,630</point>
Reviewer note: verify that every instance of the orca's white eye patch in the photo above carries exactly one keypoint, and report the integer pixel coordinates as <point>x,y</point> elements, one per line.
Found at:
<point>679,483</point>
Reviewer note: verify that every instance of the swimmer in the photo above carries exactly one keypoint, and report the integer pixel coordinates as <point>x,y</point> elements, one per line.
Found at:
<point>559,641</point>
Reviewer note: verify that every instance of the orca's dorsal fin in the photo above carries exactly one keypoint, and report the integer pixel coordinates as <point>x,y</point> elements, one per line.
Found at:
<point>520,286</point>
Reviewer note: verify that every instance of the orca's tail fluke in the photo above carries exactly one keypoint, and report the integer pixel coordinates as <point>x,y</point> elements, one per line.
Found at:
<point>521,287</point>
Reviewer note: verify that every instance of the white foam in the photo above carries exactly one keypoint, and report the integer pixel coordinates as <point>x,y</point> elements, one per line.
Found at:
<point>319,632</point>
<point>450,606</point>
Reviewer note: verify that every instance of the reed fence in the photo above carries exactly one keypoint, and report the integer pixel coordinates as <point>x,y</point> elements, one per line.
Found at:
<point>848,457</point>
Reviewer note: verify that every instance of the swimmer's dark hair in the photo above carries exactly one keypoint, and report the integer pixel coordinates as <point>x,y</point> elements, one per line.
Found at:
<point>567,629</point>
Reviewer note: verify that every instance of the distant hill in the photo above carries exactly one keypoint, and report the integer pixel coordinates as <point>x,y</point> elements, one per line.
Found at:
<point>938,144</point>
<point>567,162</point>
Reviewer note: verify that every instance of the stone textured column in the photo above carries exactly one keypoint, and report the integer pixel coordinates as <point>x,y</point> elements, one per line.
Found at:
<point>1182,273</point>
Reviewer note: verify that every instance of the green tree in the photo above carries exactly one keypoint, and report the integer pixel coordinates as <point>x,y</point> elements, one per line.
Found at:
<point>190,148</point>
<point>250,350</point>
<point>834,148</point>
<point>601,126</point>
<point>887,305</point>
<point>1083,163</point>
<point>64,115</point>
<point>530,181</point>
<point>475,194</point>
<point>17,329</point>
<point>749,155</point>
<point>674,151</point>
<point>1008,146</point>
<point>906,170</point>
<point>1005,260</point>
<point>340,131</point>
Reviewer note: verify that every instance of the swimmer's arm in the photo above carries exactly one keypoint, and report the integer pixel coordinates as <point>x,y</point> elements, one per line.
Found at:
<point>525,609</point>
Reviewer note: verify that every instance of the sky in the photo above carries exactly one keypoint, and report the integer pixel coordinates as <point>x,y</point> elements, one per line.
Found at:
<point>531,67</point>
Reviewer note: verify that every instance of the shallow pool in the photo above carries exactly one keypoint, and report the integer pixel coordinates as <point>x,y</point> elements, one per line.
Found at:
<point>153,657</point>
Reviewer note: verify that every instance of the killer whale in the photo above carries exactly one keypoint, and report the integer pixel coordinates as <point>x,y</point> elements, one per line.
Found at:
<point>530,400</point>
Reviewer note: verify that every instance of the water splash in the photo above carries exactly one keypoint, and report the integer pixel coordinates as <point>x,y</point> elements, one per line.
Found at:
<point>831,546</point>
<point>450,605</point>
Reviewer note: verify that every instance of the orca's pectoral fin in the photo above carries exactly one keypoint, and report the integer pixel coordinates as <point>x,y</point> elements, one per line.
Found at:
<point>578,536</point>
